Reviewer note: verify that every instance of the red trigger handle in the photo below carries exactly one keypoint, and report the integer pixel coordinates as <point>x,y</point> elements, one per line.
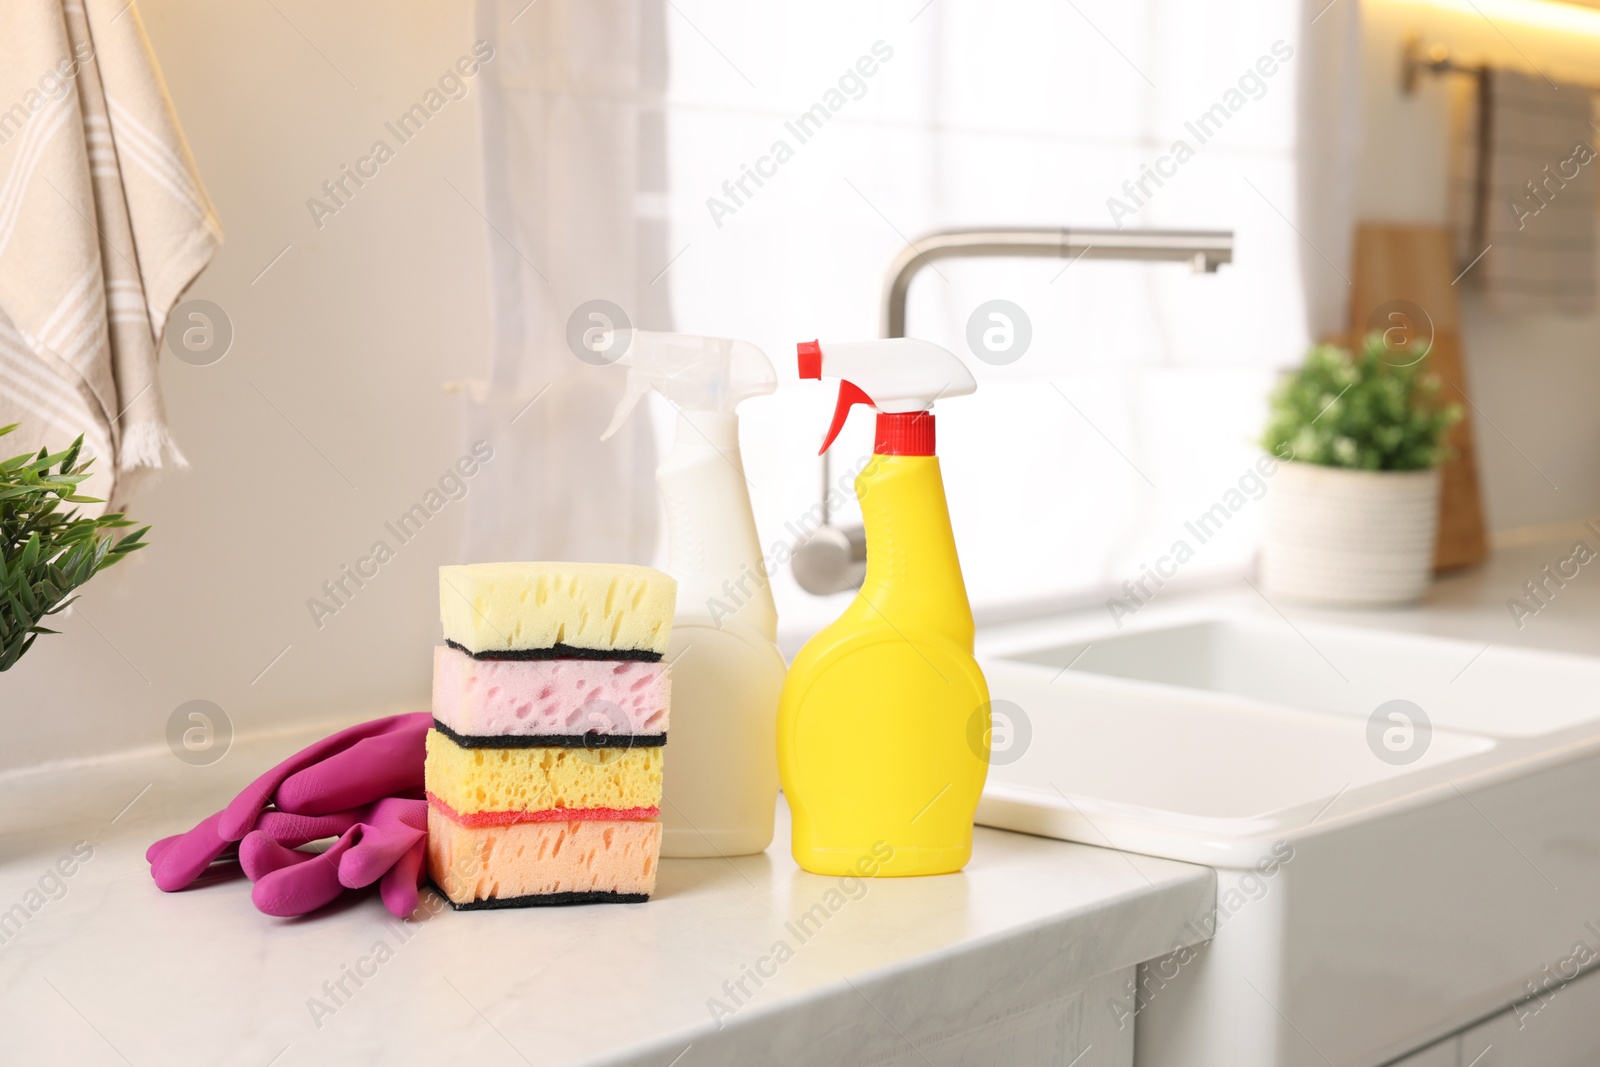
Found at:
<point>850,395</point>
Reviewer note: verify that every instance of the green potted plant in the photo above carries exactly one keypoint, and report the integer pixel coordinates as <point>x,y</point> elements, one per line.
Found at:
<point>1353,512</point>
<point>45,552</point>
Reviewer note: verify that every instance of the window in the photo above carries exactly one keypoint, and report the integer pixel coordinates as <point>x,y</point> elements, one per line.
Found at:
<point>809,141</point>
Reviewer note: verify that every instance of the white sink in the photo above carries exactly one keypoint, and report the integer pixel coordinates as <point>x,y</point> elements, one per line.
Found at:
<point>1346,672</point>
<point>1196,755</point>
<point>1408,894</point>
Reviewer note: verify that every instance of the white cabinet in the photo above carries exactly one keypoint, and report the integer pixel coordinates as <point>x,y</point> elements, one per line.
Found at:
<point>1445,1054</point>
<point>1075,1029</point>
<point>1561,1029</point>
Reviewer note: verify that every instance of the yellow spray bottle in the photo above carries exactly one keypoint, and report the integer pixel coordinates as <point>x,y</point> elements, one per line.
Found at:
<point>883,725</point>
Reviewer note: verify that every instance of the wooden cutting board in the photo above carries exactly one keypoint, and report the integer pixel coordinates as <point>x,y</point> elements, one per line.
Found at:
<point>1402,280</point>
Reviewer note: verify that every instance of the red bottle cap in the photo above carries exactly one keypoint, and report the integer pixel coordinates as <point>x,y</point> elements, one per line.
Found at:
<point>908,433</point>
<point>810,359</point>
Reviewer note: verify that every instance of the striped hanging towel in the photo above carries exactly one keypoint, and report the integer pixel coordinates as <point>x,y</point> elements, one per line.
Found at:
<point>103,224</point>
<point>1523,187</point>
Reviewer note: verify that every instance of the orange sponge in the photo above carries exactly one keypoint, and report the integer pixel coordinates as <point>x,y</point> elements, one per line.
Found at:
<point>534,863</point>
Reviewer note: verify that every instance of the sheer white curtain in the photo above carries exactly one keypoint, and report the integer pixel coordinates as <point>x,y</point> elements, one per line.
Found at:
<point>1136,406</point>
<point>1328,140</point>
<point>574,170</point>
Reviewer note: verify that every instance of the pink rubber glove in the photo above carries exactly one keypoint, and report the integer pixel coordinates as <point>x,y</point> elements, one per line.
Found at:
<point>398,886</point>
<point>354,767</point>
<point>360,767</point>
<point>384,765</point>
<point>386,842</point>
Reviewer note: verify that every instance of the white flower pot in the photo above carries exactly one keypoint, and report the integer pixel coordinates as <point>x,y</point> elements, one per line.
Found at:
<point>1349,537</point>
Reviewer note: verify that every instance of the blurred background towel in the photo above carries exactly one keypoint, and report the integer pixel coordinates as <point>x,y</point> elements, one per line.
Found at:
<point>1523,184</point>
<point>103,224</point>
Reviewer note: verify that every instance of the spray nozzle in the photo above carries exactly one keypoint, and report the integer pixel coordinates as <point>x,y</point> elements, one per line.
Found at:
<point>695,373</point>
<point>897,376</point>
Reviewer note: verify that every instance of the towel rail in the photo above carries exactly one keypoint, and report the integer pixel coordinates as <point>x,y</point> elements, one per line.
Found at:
<point>1436,59</point>
<point>1416,61</point>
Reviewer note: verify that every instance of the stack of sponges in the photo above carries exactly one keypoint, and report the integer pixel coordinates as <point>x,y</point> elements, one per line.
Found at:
<point>550,707</point>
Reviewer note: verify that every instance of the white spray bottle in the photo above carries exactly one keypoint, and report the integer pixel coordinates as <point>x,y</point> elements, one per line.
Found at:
<point>721,765</point>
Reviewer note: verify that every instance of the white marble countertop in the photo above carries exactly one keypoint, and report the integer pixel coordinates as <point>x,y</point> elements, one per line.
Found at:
<point>107,970</point>
<point>101,968</point>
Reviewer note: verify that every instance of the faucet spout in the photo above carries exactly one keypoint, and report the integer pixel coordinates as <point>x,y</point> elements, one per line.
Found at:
<point>833,560</point>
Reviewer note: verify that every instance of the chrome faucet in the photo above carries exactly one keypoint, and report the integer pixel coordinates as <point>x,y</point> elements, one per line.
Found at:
<point>833,559</point>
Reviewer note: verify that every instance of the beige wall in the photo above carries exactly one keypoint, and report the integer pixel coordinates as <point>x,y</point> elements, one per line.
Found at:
<point>1537,378</point>
<point>350,334</point>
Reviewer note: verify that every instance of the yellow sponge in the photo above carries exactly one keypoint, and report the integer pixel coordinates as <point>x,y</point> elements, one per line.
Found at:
<point>533,610</point>
<point>607,782</point>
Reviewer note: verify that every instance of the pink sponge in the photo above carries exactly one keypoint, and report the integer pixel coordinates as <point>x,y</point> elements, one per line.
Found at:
<point>548,699</point>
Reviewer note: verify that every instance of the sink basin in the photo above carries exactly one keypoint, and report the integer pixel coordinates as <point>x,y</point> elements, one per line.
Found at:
<point>1372,897</point>
<point>1188,752</point>
<point>1345,671</point>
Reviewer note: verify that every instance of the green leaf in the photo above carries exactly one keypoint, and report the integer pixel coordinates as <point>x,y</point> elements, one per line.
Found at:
<point>1375,411</point>
<point>47,552</point>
